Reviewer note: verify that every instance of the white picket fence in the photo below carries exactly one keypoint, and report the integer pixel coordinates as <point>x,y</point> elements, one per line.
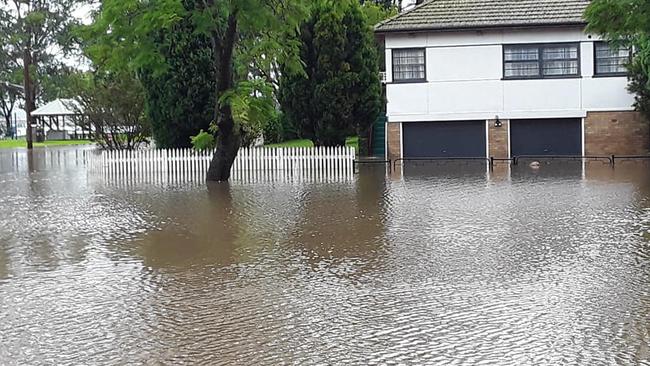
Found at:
<point>251,165</point>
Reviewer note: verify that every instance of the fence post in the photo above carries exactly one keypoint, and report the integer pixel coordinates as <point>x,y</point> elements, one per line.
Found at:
<point>265,163</point>
<point>281,157</point>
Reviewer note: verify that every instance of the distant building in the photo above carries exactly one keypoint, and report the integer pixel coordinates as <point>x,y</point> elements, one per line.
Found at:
<point>60,120</point>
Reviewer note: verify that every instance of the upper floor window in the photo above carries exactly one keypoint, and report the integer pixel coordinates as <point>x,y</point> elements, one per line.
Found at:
<point>409,65</point>
<point>610,60</point>
<point>541,61</point>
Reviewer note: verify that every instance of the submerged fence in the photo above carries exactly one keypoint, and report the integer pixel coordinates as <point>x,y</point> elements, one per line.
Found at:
<point>251,164</point>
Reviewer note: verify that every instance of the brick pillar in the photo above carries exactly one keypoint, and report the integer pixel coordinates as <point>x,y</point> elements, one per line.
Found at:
<point>498,139</point>
<point>394,139</point>
<point>619,133</point>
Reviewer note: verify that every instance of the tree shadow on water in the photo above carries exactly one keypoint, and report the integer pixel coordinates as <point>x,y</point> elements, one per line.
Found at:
<point>204,232</point>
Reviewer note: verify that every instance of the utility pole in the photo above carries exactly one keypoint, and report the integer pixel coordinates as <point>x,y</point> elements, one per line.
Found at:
<point>29,101</point>
<point>27,65</point>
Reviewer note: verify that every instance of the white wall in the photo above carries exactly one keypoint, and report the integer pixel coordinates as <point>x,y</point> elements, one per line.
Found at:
<point>464,79</point>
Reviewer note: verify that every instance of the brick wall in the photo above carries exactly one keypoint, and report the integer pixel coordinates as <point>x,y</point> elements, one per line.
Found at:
<point>619,133</point>
<point>394,141</point>
<point>606,133</point>
<point>498,139</point>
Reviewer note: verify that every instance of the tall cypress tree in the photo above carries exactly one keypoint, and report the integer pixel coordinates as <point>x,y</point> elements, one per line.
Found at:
<point>180,99</point>
<point>340,93</point>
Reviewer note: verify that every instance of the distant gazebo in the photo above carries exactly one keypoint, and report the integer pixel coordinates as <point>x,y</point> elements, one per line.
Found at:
<point>61,117</point>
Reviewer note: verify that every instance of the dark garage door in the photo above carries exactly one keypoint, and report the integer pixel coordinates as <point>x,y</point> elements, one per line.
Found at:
<point>444,139</point>
<point>546,137</point>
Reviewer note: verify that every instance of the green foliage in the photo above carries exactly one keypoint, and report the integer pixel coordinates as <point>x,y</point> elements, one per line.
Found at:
<point>376,13</point>
<point>203,141</point>
<point>639,86</point>
<point>42,29</point>
<point>340,93</point>
<point>383,4</point>
<point>273,130</point>
<point>279,129</point>
<point>113,104</point>
<point>58,81</point>
<point>10,90</point>
<point>43,26</point>
<point>627,23</point>
<point>181,97</point>
<point>247,38</point>
<point>123,34</point>
<point>252,105</point>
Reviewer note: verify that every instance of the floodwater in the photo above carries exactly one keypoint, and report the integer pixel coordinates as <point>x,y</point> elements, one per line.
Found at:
<point>440,266</point>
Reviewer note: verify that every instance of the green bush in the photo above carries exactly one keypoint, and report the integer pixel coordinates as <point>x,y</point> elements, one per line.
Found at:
<point>639,86</point>
<point>273,131</point>
<point>279,129</point>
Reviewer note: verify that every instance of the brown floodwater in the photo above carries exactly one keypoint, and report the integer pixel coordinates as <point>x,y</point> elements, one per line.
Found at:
<point>440,265</point>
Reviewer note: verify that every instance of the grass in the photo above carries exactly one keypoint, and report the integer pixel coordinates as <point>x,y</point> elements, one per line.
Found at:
<point>293,143</point>
<point>13,144</point>
<point>352,141</point>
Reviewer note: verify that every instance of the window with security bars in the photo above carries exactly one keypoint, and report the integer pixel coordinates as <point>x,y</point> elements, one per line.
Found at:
<point>409,65</point>
<point>611,60</point>
<point>540,61</point>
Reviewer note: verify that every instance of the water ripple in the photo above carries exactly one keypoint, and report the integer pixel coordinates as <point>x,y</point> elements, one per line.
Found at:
<point>439,267</point>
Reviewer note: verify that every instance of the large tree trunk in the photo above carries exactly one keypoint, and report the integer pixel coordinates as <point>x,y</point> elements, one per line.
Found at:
<point>228,143</point>
<point>365,139</point>
<point>228,135</point>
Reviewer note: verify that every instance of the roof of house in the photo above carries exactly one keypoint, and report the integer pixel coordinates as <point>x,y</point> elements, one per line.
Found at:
<point>476,14</point>
<point>59,107</point>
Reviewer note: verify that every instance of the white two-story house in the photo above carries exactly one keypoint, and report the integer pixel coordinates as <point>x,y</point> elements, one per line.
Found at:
<point>503,78</point>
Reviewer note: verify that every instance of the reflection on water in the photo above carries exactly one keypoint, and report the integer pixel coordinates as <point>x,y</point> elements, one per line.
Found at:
<point>443,265</point>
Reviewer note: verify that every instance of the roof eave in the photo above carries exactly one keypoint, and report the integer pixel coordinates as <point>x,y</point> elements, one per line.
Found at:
<point>482,27</point>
